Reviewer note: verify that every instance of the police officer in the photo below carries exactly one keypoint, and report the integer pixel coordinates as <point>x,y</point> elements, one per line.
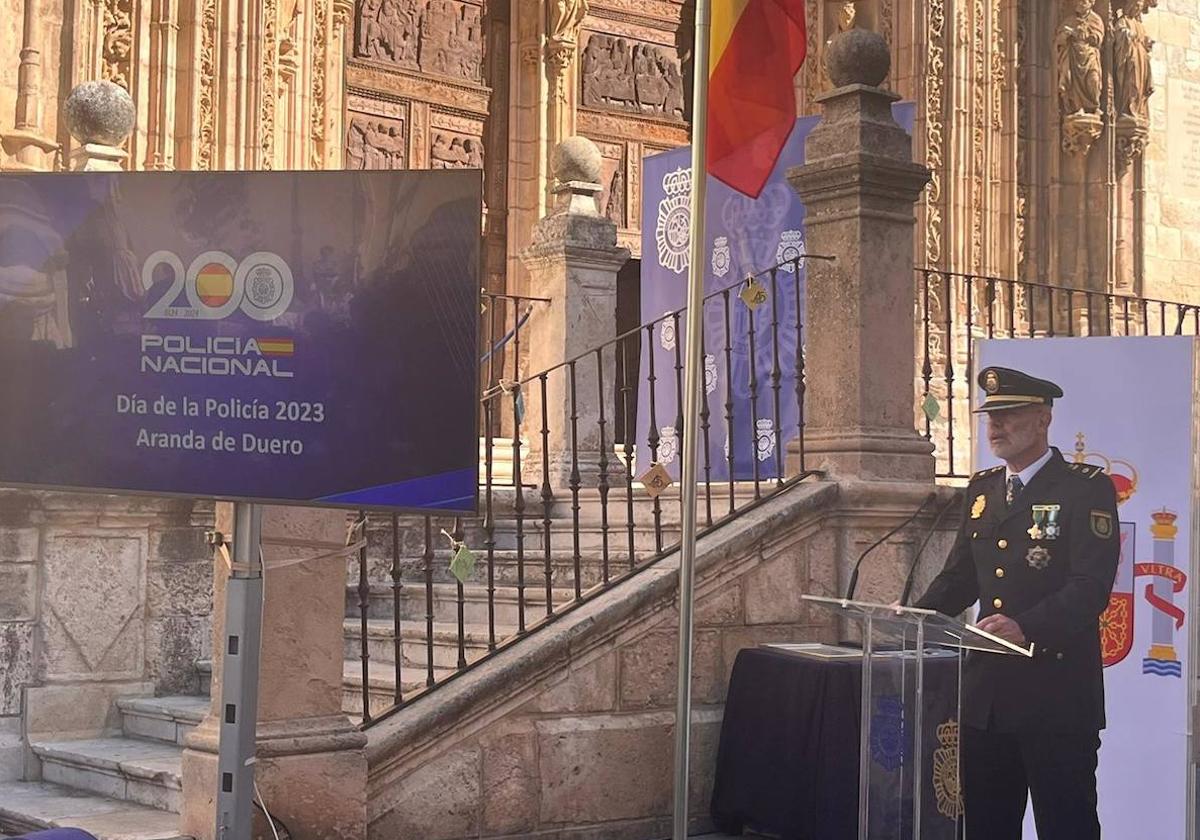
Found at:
<point>1037,547</point>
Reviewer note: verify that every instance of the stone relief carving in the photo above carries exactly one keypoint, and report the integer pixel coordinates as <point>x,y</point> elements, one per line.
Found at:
<point>270,67</point>
<point>1077,47</point>
<point>433,36</point>
<point>455,151</point>
<point>117,44</point>
<point>935,68</point>
<point>375,143</point>
<point>639,78</point>
<point>206,132</point>
<point>320,48</point>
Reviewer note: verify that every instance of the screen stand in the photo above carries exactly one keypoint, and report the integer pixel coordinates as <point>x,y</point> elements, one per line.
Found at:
<point>239,676</point>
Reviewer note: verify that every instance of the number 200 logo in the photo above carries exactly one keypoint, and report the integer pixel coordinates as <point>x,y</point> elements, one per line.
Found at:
<point>217,285</point>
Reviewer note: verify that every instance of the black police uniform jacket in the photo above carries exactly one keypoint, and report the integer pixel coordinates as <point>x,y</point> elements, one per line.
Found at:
<point>1055,587</point>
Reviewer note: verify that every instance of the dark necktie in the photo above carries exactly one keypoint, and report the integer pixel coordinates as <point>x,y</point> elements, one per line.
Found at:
<point>1015,486</point>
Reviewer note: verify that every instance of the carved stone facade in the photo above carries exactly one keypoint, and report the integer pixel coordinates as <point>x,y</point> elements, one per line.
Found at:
<point>637,78</point>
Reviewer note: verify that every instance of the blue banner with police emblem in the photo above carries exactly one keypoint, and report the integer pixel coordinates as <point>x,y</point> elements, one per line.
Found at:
<point>751,415</point>
<point>264,336</point>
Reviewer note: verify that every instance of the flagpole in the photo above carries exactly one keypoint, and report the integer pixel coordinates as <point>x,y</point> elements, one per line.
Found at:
<point>691,413</point>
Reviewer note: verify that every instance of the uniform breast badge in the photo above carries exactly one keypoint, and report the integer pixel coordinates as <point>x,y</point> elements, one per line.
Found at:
<point>1038,557</point>
<point>978,506</point>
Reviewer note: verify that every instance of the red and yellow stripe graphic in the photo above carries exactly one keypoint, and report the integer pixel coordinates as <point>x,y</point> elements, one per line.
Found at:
<point>757,47</point>
<point>214,285</point>
<point>276,346</point>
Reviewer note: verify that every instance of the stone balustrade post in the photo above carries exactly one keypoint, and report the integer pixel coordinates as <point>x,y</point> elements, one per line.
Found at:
<point>311,767</point>
<point>860,185</point>
<point>100,115</point>
<point>573,260</point>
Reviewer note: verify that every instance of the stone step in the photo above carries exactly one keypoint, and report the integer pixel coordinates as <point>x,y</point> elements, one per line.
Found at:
<point>415,600</point>
<point>507,571</point>
<point>145,772</point>
<point>166,719</point>
<point>381,647</point>
<point>382,686</point>
<point>32,806</point>
<point>591,537</point>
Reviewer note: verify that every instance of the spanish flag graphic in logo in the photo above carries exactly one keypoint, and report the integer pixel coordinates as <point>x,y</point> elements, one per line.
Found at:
<point>276,346</point>
<point>214,284</point>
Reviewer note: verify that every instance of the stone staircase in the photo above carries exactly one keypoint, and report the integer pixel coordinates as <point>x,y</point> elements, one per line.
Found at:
<point>127,786</point>
<point>123,787</point>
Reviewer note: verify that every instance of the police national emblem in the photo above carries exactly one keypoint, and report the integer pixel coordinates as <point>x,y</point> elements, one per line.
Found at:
<point>887,733</point>
<point>946,785</point>
<point>721,256</point>
<point>672,229</point>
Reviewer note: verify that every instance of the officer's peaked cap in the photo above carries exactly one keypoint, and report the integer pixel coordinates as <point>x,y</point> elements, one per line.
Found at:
<point>1007,388</point>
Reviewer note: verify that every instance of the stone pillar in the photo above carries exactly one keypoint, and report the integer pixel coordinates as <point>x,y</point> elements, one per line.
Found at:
<point>312,768</point>
<point>573,261</point>
<point>860,186</point>
<point>26,145</point>
<point>100,116</point>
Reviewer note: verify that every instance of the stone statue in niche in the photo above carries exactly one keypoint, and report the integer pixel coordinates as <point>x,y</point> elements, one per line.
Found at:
<point>1077,45</point>
<point>614,209</point>
<point>566,16</point>
<point>1131,62</point>
<point>640,78</point>
<point>375,144</point>
<point>451,151</point>
<point>847,17</point>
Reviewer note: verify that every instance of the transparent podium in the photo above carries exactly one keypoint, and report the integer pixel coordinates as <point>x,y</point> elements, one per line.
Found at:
<point>912,660</point>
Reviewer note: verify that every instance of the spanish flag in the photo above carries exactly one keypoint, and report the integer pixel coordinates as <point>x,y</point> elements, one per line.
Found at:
<point>756,49</point>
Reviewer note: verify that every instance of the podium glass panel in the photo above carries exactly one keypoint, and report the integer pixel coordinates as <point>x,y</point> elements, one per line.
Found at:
<point>908,748</point>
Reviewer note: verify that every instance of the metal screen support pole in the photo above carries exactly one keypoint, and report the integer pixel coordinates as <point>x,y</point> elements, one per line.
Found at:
<point>693,388</point>
<point>239,677</point>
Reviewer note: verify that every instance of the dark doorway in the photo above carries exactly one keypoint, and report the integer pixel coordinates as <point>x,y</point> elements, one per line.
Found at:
<point>629,317</point>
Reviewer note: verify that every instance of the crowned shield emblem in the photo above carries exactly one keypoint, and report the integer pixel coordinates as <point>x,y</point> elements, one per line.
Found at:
<point>765,440</point>
<point>791,248</point>
<point>1116,622</point>
<point>672,229</point>
<point>668,445</point>
<point>710,373</point>
<point>666,332</point>
<point>721,256</point>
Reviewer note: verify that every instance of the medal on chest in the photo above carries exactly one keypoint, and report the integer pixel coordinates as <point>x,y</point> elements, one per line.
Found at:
<point>1045,522</point>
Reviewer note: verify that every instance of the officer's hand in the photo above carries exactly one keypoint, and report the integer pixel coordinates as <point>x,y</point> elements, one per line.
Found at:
<point>1005,628</point>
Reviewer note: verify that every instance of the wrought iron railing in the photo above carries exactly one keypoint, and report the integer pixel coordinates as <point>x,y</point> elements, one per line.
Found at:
<point>954,308</point>
<point>586,511</point>
<point>501,320</point>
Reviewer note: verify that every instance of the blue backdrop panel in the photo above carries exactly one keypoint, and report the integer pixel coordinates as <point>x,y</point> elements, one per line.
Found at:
<point>290,337</point>
<point>743,236</point>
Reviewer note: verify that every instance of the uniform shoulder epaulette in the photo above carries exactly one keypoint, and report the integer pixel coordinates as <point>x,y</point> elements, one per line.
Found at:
<point>1086,470</point>
<point>987,472</point>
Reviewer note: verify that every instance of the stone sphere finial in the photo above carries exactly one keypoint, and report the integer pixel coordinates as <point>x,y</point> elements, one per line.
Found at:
<point>577,159</point>
<point>99,112</point>
<point>858,57</point>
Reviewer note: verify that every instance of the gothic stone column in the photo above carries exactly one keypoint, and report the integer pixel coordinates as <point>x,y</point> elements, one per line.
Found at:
<point>312,768</point>
<point>860,186</point>
<point>573,260</point>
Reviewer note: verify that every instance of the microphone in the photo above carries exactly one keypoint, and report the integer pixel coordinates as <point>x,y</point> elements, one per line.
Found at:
<point>937,520</point>
<point>858,564</point>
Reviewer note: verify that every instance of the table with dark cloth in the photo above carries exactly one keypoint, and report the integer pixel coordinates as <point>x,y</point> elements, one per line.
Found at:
<point>787,763</point>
